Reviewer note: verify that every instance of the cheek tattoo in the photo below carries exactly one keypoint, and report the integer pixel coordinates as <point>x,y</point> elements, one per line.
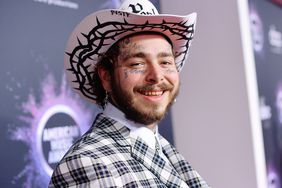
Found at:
<point>170,71</point>
<point>134,71</point>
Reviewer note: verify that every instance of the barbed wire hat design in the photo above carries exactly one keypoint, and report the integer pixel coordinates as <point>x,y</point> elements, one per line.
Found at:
<point>96,33</point>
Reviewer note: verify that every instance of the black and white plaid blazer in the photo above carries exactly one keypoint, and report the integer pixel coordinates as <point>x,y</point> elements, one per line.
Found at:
<point>106,156</point>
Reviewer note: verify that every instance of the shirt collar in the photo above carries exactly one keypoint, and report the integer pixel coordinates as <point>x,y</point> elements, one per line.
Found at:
<point>136,129</point>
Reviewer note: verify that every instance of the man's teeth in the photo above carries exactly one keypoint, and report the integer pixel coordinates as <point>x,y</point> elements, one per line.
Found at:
<point>152,93</point>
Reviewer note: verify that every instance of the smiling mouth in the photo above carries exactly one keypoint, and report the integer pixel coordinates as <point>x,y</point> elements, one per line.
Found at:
<point>154,90</point>
<point>152,93</point>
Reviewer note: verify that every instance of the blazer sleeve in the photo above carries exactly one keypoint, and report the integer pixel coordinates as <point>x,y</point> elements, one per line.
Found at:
<point>81,171</point>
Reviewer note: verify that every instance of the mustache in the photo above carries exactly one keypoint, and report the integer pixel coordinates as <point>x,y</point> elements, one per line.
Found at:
<point>148,87</point>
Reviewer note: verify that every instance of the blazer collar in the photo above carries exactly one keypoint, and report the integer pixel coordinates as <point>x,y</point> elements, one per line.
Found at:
<point>140,151</point>
<point>118,132</point>
<point>136,129</point>
<point>156,164</point>
<point>184,169</point>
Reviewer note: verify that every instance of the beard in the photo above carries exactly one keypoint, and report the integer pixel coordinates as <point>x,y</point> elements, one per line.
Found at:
<point>143,113</point>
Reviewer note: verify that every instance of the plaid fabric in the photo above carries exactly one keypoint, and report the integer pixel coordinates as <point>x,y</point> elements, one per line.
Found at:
<point>107,157</point>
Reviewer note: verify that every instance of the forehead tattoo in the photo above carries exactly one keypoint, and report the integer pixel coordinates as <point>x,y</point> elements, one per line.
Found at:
<point>127,47</point>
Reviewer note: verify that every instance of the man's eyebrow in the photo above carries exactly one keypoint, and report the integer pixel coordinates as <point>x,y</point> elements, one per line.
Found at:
<point>133,55</point>
<point>165,54</point>
<point>144,55</point>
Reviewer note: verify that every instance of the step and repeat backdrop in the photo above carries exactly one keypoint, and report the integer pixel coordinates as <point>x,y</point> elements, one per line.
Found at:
<point>266,30</point>
<point>41,116</point>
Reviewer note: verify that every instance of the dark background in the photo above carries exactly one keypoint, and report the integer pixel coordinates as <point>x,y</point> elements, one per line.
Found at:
<point>268,64</point>
<point>33,35</point>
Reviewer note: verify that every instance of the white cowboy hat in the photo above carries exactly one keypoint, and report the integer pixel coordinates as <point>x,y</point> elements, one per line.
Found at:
<point>96,33</point>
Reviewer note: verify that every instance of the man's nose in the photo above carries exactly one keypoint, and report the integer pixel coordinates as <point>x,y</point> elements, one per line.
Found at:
<point>154,74</point>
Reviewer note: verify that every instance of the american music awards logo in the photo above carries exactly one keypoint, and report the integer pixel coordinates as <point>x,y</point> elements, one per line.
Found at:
<point>50,126</point>
<point>256,26</point>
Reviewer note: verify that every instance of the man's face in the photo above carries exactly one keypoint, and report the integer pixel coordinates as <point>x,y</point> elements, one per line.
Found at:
<point>145,80</point>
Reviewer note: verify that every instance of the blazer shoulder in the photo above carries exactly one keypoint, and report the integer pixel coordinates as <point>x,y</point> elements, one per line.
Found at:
<point>81,170</point>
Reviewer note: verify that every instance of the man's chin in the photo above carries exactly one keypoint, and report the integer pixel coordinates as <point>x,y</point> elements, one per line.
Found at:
<point>147,117</point>
<point>146,120</point>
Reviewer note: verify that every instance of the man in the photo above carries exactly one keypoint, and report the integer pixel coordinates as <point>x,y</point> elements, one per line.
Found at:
<point>128,63</point>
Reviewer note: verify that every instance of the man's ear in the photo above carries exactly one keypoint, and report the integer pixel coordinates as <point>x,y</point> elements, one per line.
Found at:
<point>105,78</point>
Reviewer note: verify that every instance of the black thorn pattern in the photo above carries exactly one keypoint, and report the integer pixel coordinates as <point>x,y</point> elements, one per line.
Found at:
<point>79,41</point>
<point>95,40</point>
<point>98,22</point>
<point>69,54</point>
<point>84,35</point>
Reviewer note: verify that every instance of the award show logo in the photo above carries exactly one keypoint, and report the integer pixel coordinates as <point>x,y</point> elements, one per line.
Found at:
<point>256,30</point>
<point>50,127</point>
<point>279,102</point>
<point>57,130</point>
<point>275,39</point>
<point>265,110</point>
<point>60,3</point>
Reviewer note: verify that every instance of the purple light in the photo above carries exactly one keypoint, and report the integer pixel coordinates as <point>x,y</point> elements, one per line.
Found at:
<point>37,171</point>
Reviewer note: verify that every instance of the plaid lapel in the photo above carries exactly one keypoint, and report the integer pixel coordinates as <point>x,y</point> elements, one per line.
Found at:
<point>153,162</point>
<point>142,153</point>
<point>184,169</point>
<point>115,130</point>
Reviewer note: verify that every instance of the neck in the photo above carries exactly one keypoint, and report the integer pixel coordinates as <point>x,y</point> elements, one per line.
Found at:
<point>116,113</point>
<point>152,127</point>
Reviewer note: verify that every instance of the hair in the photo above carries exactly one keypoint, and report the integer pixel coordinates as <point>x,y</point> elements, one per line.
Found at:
<point>107,62</point>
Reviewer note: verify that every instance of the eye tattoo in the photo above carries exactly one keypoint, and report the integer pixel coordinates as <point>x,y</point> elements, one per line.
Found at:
<point>134,71</point>
<point>170,71</point>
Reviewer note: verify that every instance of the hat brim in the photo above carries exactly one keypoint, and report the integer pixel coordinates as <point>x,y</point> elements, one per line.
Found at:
<point>96,33</point>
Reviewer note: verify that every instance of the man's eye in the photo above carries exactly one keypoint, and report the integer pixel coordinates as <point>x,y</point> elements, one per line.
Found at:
<point>136,65</point>
<point>167,63</point>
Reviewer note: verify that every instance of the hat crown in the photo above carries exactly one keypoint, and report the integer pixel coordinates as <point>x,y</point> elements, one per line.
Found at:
<point>97,32</point>
<point>143,7</point>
